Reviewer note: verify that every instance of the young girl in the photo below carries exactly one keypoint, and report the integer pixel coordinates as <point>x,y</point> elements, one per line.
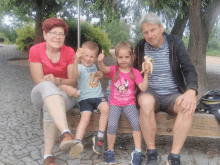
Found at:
<point>122,97</point>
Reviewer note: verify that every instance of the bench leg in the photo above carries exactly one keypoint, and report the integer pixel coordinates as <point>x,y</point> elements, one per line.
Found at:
<point>41,119</point>
<point>104,144</point>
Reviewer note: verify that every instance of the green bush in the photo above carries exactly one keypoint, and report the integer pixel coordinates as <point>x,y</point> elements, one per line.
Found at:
<point>213,45</point>
<point>215,53</point>
<point>186,41</point>
<point>9,34</point>
<point>88,33</point>
<point>25,37</point>
<point>118,31</point>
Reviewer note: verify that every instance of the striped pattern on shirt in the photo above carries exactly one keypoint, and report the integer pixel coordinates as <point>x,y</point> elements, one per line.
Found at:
<point>161,81</point>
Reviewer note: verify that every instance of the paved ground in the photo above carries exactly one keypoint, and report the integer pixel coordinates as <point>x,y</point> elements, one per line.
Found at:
<point>21,137</point>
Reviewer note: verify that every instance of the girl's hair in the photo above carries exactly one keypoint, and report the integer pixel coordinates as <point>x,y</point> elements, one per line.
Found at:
<point>50,23</point>
<point>128,46</point>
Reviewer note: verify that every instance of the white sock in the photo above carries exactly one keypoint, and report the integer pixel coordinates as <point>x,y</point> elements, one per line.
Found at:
<point>66,131</point>
<point>101,134</point>
<point>45,156</point>
<point>138,150</point>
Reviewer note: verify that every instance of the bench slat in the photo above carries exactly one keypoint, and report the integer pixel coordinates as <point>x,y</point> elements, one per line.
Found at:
<point>204,125</point>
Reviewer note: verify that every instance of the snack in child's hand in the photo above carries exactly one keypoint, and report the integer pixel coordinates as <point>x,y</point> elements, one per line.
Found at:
<point>149,61</point>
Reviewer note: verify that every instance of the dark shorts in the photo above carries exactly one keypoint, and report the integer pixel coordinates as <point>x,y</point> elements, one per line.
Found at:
<point>163,102</point>
<point>90,104</point>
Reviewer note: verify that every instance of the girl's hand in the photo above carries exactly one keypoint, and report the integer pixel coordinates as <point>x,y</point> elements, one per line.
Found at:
<point>79,54</point>
<point>101,56</point>
<point>146,68</point>
<point>99,74</point>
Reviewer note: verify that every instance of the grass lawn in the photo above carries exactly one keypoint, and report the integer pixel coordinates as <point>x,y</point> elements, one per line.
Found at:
<point>215,53</point>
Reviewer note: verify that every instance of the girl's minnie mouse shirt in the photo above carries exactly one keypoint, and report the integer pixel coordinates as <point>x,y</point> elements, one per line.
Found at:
<point>123,90</point>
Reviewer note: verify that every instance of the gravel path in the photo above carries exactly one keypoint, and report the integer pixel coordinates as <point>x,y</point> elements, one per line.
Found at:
<point>21,137</point>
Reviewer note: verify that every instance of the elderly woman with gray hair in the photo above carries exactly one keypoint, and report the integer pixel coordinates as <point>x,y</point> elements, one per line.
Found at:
<point>51,65</point>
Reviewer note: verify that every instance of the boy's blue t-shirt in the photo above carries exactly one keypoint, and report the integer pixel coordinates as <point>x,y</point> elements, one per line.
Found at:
<point>88,83</point>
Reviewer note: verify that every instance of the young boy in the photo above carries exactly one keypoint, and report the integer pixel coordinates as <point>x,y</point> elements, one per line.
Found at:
<point>91,95</point>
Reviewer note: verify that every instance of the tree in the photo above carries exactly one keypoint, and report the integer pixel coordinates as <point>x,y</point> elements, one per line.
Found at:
<point>201,15</point>
<point>32,10</point>
<point>202,18</point>
<point>174,13</point>
<point>38,10</point>
<point>117,30</point>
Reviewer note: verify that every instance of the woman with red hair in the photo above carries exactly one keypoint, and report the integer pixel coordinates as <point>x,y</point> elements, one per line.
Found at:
<point>51,65</point>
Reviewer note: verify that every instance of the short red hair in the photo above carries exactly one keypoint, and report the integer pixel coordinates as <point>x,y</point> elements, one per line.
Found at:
<point>50,23</point>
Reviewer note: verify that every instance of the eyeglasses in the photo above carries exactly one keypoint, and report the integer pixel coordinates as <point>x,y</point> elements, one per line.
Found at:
<point>54,34</point>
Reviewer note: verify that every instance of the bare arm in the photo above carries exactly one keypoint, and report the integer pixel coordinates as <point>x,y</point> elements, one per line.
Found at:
<point>144,85</point>
<point>79,55</point>
<point>101,64</point>
<point>37,72</point>
<point>70,79</point>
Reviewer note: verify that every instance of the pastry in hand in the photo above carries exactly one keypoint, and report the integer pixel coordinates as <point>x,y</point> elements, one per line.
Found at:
<point>149,61</point>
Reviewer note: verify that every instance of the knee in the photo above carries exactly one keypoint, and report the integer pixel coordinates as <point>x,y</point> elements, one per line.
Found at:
<point>105,111</point>
<point>184,114</point>
<point>147,104</point>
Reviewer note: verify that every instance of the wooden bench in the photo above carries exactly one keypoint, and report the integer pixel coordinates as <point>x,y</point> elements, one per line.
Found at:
<point>1,40</point>
<point>204,125</point>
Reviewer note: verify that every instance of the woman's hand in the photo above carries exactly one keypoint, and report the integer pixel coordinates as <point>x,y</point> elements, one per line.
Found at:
<point>55,80</point>
<point>70,91</point>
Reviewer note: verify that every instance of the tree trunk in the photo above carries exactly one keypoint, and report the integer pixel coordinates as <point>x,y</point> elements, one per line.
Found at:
<point>198,43</point>
<point>38,28</point>
<point>179,25</point>
<point>180,22</point>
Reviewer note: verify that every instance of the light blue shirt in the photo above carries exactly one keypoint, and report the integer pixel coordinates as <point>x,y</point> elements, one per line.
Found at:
<point>88,83</point>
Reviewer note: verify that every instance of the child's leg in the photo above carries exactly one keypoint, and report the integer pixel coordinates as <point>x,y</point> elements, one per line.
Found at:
<point>137,140</point>
<point>104,109</point>
<point>114,115</point>
<point>111,141</point>
<point>133,116</point>
<point>84,122</point>
<point>98,140</point>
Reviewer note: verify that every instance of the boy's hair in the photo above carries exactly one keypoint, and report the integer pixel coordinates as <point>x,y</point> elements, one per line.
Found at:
<point>91,45</point>
<point>128,46</point>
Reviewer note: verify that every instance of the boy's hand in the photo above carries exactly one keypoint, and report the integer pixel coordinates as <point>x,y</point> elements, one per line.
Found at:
<point>79,54</point>
<point>101,56</point>
<point>99,75</point>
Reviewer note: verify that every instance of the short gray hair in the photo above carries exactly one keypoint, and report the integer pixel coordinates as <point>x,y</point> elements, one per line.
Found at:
<point>150,18</point>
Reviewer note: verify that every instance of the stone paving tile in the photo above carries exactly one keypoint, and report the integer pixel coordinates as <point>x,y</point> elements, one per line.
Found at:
<point>21,136</point>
